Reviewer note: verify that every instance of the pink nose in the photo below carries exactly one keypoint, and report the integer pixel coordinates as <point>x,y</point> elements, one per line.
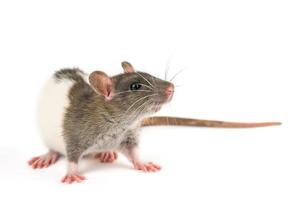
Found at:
<point>170,90</point>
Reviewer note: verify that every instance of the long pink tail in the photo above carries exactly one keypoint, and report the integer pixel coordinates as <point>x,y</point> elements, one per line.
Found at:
<point>178,121</point>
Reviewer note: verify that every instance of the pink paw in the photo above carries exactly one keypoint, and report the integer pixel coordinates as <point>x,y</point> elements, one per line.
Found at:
<point>106,157</point>
<point>44,161</point>
<point>147,167</point>
<point>73,177</point>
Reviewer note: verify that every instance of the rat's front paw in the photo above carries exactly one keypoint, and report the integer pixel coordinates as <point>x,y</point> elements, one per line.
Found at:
<point>146,167</point>
<point>73,177</point>
<point>106,157</point>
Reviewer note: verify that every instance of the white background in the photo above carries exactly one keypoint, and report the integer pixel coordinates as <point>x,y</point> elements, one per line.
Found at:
<point>241,61</point>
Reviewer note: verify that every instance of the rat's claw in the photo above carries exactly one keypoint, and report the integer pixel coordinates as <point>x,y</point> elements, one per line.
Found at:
<point>157,167</point>
<point>106,157</point>
<point>30,162</point>
<point>147,167</point>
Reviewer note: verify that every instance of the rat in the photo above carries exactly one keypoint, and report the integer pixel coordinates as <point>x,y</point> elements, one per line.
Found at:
<point>99,115</point>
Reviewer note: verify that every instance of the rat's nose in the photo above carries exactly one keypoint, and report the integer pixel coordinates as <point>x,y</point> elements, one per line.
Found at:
<point>170,90</point>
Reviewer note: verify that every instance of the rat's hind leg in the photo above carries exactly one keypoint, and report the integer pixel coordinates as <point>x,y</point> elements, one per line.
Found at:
<point>106,157</point>
<point>44,161</point>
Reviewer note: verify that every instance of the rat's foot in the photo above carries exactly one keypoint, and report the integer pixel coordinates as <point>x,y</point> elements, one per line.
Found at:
<point>72,177</point>
<point>44,161</point>
<point>146,167</point>
<point>107,157</point>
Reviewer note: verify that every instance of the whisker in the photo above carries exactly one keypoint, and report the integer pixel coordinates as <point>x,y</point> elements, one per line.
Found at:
<point>132,91</point>
<point>168,66</point>
<point>146,86</point>
<point>145,79</point>
<point>126,112</point>
<point>177,74</point>
<point>153,81</point>
<point>143,104</point>
<point>137,112</point>
<point>166,72</point>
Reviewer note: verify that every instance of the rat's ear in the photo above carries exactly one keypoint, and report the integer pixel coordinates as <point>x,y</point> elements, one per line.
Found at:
<point>102,84</point>
<point>127,67</point>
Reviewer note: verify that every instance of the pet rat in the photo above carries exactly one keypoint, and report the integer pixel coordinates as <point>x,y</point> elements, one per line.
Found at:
<point>81,114</point>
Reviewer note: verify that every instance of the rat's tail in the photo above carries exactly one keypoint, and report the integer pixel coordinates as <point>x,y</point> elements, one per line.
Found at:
<point>178,121</point>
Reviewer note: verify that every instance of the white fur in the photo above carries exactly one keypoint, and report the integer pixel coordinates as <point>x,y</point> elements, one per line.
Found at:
<point>51,110</point>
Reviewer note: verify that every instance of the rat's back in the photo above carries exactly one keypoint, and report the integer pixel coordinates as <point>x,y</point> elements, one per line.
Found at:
<point>52,106</point>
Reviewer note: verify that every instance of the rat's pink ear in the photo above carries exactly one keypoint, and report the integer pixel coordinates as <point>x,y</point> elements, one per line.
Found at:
<point>102,84</point>
<point>127,67</point>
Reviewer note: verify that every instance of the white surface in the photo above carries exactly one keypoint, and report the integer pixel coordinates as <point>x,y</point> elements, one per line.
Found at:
<point>241,61</point>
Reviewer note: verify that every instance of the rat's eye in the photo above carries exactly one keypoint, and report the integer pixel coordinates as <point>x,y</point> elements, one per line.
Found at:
<point>135,86</point>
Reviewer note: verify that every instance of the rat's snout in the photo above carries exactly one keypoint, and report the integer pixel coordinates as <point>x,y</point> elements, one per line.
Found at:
<point>170,90</point>
<point>164,93</point>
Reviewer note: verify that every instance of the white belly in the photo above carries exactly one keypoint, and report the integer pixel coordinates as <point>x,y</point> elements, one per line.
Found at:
<point>51,110</point>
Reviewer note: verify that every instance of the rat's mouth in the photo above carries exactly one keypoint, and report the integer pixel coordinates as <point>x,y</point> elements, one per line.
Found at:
<point>167,99</point>
<point>163,97</point>
<point>156,108</point>
<point>159,103</point>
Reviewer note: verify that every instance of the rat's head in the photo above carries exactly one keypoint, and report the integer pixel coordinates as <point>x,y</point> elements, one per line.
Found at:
<point>132,91</point>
